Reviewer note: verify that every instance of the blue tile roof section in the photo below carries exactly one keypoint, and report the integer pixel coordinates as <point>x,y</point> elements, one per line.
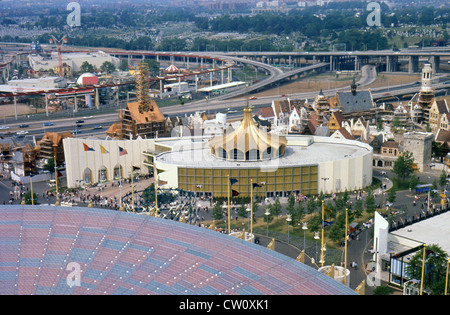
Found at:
<point>126,254</point>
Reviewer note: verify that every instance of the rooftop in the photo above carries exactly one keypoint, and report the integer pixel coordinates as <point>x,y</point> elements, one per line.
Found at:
<point>123,253</point>
<point>300,150</point>
<point>430,231</point>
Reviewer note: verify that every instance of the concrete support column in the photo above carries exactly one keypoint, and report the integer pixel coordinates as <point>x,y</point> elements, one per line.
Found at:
<point>97,99</point>
<point>435,60</point>
<point>15,107</point>
<point>46,104</point>
<point>413,65</point>
<point>357,63</point>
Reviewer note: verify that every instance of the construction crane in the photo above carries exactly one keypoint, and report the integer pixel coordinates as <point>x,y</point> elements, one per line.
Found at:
<point>59,44</point>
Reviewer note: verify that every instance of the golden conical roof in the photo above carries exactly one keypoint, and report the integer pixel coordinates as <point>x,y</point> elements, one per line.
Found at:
<point>248,142</point>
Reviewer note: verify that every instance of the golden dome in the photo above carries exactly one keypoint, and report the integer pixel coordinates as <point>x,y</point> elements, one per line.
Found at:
<point>248,143</point>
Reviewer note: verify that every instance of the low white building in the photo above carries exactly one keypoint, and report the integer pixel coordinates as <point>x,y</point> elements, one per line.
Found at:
<point>40,83</point>
<point>73,60</point>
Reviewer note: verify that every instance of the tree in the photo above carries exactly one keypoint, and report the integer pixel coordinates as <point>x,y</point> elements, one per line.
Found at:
<point>370,202</point>
<point>297,214</point>
<point>276,207</point>
<point>86,67</point>
<point>50,165</point>
<point>108,67</point>
<point>311,205</point>
<point>380,124</point>
<point>153,66</point>
<point>404,166</point>
<point>242,211</point>
<point>413,182</point>
<point>291,204</point>
<point>443,179</point>
<point>27,197</point>
<point>123,65</point>
<point>392,196</point>
<point>359,208</point>
<point>217,211</point>
<point>435,268</point>
<point>337,230</point>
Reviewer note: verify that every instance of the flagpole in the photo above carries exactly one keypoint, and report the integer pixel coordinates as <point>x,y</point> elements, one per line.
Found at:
<point>251,210</point>
<point>155,177</point>
<point>446,277</point>
<point>56,182</point>
<point>229,223</point>
<point>322,260</point>
<point>31,189</point>
<point>345,260</point>
<point>132,187</point>
<point>423,268</point>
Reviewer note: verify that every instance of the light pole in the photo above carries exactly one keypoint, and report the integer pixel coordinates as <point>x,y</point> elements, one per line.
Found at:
<point>316,237</point>
<point>57,203</point>
<point>304,228</point>
<point>248,218</point>
<point>288,219</point>
<point>267,214</point>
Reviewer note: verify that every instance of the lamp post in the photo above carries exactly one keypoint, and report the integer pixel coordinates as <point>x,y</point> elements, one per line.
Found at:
<point>446,277</point>
<point>304,228</point>
<point>288,219</point>
<point>267,214</point>
<point>316,237</point>
<point>56,182</point>
<point>249,210</point>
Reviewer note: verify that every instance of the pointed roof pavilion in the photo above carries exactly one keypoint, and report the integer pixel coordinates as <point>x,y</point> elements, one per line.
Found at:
<point>248,142</point>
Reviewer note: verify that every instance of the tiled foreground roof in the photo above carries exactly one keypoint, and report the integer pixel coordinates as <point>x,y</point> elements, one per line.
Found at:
<point>124,253</point>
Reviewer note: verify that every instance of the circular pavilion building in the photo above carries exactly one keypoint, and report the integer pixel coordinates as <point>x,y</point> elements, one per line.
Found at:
<point>204,163</point>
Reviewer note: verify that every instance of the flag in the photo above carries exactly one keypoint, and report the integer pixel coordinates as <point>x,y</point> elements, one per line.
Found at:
<point>351,229</point>
<point>235,193</point>
<point>87,148</point>
<point>59,174</point>
<point>256,185</point>
<point>122,151</point>
<point>271,245</point>
<point>233,181</point>
<point>103,150</point>
<point>429,252</point>
<point>351,215</point>
<point>135,168</point>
